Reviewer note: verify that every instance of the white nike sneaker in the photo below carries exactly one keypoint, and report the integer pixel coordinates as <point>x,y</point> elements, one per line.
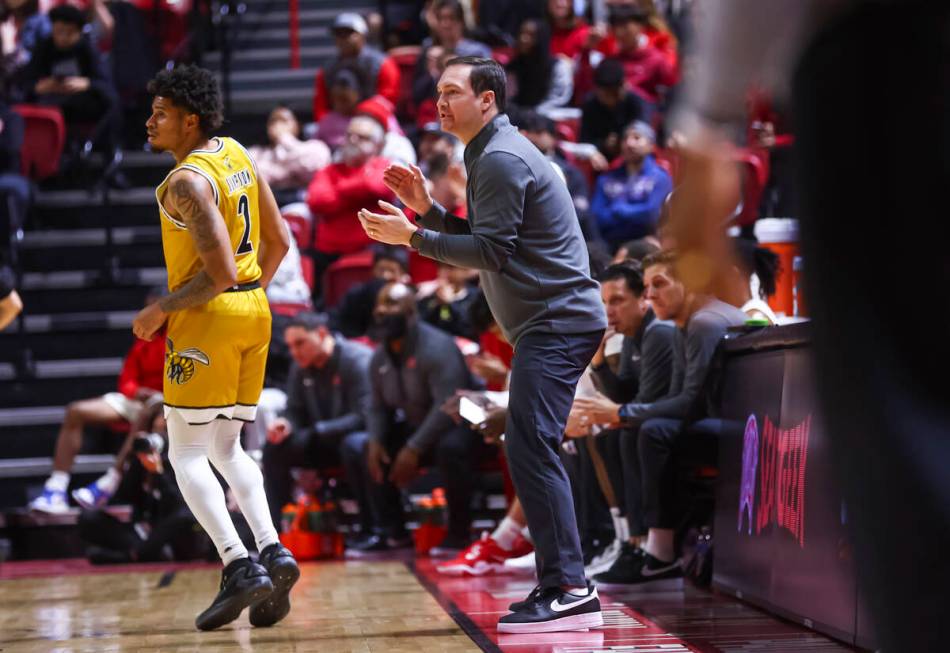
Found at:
<point>524,565</point>
<point>52,502</point>
<point>605,560</point>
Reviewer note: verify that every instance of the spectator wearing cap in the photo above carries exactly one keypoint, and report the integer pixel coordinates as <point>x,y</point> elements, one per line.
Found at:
<point>337,192</point>
<point>379,74</point>
<point>628,199</point>
<point>396,147</point>
<point>288,163</point>
<point>65,71</point>
<point>610,108</point>
<point>432,141</point>
<point>448,35</point>
<point>647,70</point>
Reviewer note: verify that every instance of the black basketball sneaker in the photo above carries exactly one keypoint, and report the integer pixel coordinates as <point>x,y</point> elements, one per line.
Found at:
<point>551,609</point>
<point>284,573</point>
<point>242,583</point>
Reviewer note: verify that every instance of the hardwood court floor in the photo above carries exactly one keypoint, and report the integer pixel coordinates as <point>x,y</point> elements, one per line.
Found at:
<point>351,606</point>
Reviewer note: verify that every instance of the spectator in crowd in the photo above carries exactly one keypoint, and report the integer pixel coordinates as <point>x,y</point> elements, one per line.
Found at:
<point>449,35</point>
<point>160,519</point>
<point>324,424</point>
<point>654,431</point>
<point>643,375</point>
<point>542,131</point>
<point>751,280</point>
<point>492,363</point>
<point>499,22</point>
<point>444,302</point>
<point>66,71</point>
<point>396,147</point>
<point>628,199</point>
<point>413,371</point>
<point>140,383</point>
<point>569,33</point>
<point>538,79</point>
<point>447,182</point>
<point>647,70</point>
<point>432,141</point>
<point>341,189</point>
<point>288,163</point>
<point>23,27</point>
<point>355,313</point>
<point>378,74</point>
<point>637,249</point>
<point>610,108</point>
<point>345,96</point>
<point>10,302</point>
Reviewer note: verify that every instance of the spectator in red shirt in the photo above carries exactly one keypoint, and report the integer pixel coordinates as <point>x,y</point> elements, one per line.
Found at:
<point>569,33</point>
<point>140,384</point>
<point>647,69</point>
<point>340,190</point>
<point>379,73</point>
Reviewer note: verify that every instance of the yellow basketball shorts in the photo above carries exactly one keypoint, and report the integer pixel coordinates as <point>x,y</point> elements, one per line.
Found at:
<point>215,357</point>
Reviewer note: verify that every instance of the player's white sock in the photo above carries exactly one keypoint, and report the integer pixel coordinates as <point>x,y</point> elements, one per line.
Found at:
<point>57,481</point>
<point>188,447</point>
<point>621,525</point>
<point>109,481</point>
<point>506,533</point>
<point>245,479</point>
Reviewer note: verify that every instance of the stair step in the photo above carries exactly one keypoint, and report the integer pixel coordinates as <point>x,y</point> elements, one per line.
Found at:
<point>107,341</point>
<point>73,279</point>
<point>43,239</point>
<point>37,392</point>
<point>26,467</point>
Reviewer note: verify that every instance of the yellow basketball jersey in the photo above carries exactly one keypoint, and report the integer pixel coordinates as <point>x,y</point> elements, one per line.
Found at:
<point>233,177</point>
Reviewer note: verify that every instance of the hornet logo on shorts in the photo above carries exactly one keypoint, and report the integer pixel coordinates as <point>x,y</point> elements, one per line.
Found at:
<point>180,365</point>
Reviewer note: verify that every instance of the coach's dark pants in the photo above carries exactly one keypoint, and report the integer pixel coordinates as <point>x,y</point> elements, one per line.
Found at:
<point>544,375</point>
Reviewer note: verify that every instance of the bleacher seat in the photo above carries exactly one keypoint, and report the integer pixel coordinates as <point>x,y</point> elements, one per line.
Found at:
<point>345,272</point>
<point>44,138</point>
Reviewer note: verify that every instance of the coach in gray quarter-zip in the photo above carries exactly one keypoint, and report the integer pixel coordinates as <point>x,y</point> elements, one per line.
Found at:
<point>522,234</point>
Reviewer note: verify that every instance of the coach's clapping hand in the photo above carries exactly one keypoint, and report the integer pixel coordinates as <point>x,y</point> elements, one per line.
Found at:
<point>149,320</point>
<point>392,227</point>
<point>409,185</point>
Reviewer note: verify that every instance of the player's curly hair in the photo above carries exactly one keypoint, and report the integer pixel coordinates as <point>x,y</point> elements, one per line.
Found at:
<point>194,89</point>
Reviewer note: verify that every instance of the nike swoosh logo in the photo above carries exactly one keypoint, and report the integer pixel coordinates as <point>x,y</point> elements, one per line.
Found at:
<point>557,606</point>
<point>647,572</point>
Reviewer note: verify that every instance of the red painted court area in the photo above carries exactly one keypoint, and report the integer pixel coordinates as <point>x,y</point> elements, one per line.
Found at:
<point>673,618</point>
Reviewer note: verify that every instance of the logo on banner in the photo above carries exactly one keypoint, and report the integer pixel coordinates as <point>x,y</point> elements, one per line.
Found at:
<point>781,456</point>
<point>750,460</point>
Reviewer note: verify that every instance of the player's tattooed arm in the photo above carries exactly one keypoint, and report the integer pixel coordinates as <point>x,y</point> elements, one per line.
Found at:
<point>192,200</point>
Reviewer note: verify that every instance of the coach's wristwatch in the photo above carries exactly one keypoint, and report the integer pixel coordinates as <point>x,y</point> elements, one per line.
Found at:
<point>415,240</point>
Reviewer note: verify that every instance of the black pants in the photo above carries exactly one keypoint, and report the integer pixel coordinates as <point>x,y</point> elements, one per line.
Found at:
<point>177,530</point>
<point>622,455</point>
<point>318,452</point>
<point>663,446</point>
<point>593,514</point>
<point>457,455</point>
<point>864,201</point>
<point>544,374</point>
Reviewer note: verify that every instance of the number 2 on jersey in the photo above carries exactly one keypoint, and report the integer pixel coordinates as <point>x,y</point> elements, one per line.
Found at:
<point>244,210</point>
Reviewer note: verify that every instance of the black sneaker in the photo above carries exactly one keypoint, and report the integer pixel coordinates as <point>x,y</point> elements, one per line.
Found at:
<point>640,567</point>
<point>551,609</point>
<point>376,543</point>
<point>242,583</point>
<point>284,573</point>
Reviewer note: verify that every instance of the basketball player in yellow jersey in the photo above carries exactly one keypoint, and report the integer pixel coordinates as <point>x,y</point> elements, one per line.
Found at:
<point>223,238</point>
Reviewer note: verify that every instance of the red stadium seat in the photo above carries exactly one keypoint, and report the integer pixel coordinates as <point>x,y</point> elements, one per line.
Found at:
<point>301,228</point>
<point>755,176</point>
<point>422,268</point>
<point>503,55</point>
<point>568,129</point>
<point>44,138</point>
<point>345,272</point>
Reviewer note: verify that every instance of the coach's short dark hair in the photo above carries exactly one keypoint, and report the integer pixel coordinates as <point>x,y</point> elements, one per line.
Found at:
<point>487,75</point>
<point>630,271</point>
<point>308,321</point>
<point>193,89</point>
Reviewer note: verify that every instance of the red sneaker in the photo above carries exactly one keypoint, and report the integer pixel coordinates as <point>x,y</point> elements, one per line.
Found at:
<point>483,556</point>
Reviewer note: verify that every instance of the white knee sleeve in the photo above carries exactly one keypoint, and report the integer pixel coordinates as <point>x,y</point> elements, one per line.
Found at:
<point>188,452</point>
<point>245,479</point>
